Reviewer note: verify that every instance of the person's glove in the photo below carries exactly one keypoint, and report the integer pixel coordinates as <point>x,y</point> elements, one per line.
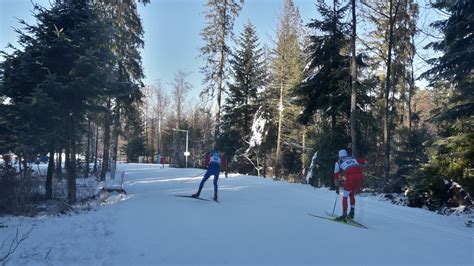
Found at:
<point>337,190</point>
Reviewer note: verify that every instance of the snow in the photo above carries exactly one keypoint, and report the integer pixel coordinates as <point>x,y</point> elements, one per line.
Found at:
<point>258,131</point>
<point>259,221</point>
<point>309,175</point>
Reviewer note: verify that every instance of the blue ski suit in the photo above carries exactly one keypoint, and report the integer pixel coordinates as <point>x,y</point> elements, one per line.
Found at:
<point>214,161</point>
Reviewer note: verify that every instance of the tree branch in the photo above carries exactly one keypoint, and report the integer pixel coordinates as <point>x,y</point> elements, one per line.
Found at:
<point>371,48</point>
<point>373,9</point>
<point>428,34</point>
<point>15,243</point>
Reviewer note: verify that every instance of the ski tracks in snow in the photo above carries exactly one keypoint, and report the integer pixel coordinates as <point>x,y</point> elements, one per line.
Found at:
<point>404,217</point>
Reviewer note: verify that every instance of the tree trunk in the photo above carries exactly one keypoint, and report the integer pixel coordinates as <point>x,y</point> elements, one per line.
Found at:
<point>278,149</point>
<point>67,157</point>
<point>412,84</point>
<point>19,165</point>
<point>72,173</point>
<point>333,124</point>
<point>386,119</point>
<point>303,154</point>
<point>218,107</point>
<point>246,113</point>
<point>353,83</point>
<point>152,144</point>
<point>220,75</point>
<point>105,155</point>
<point>49,175</point>
<point>146,124</point>
<point>264,166</point>
<point>160,147</point>
<point>96,153</point>
<point>115,134</point>
<point>25,166</point>
<point>88,150</point>
<point>56,163</point>
<point>59,163</point>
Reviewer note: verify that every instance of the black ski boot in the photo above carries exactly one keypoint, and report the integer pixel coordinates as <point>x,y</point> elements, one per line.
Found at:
<point>195,195</point>
<point>215,198</point>
<point>342,218</point>
<point>351,214</point>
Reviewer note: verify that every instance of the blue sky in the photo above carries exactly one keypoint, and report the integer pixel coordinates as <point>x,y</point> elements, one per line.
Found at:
<point>172,37</point>
<point>172,28</point>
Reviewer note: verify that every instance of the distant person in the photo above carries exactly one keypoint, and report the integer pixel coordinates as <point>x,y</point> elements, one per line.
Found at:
<point>214,161</point>
<point>352,170</point>
<point>162,161</point>
<point>158,158</point>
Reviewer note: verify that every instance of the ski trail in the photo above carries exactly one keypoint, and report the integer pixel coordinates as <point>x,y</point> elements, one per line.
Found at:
<point>405,214</point>
<point>418,222</point>
<point>375,207</point>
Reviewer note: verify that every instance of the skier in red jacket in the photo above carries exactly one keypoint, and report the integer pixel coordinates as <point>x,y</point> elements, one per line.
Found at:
<point>352,169</point>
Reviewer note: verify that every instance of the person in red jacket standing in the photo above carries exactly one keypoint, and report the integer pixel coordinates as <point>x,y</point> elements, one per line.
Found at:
<point>215,160</point>
<point>352,170</point>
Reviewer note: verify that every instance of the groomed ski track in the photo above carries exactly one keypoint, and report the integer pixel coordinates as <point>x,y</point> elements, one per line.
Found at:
<point>258,221</point>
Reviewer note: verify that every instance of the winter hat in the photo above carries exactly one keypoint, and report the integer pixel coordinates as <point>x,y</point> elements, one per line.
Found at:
<point>342,153</point>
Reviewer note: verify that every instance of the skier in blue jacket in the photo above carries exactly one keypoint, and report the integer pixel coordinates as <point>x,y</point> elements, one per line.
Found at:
<point>215,160</point>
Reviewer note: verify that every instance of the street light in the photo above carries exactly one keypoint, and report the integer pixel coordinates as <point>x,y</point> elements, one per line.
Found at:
<point>186,153</point>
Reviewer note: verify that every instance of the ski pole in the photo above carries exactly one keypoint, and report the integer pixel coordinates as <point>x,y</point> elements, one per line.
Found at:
<point>192,177</point>
<point>334,208</point>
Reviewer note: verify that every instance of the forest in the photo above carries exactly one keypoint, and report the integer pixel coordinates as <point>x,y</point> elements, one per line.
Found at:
<point>356,77</point>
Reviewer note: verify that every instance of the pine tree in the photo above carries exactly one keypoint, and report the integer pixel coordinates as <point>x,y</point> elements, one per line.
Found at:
<point>249,75</point>
<point>354,81</point>
<point>325,91</point>
<point>456,63</point>
<point>392,50</point>
<point>220,16</point>
<point>409,132</point>
<point>66,61</point>
<point>452,75</point>
<point>133,133</point>
<point>287,65</point>
<point>125,88</point>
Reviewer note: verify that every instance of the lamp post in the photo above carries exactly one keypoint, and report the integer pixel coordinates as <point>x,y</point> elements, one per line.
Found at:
<point>186,153</point>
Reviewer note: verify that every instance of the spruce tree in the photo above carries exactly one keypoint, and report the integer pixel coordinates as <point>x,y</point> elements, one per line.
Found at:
<point>124,88</point>
<point>452,75</point>
<point>325,92</point>
<point>64,64</point>
<point>248,76</point>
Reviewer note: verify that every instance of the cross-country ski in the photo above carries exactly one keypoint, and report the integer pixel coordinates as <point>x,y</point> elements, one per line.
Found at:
<point>190,196</point>
<point>333,219</point>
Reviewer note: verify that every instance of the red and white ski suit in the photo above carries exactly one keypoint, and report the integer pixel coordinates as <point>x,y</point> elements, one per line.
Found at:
<point>352,170</point>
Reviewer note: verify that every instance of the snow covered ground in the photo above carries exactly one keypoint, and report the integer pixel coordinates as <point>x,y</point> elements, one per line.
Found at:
<point>259,221</point>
